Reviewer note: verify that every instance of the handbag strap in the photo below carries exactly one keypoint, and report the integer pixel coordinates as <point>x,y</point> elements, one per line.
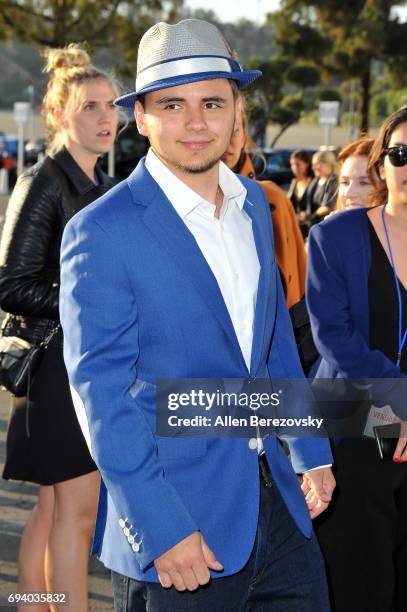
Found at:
<point>44,344</point>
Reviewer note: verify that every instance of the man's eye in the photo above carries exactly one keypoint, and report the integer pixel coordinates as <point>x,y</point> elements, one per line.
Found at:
<point>172,106</point>
<point>212,105</point>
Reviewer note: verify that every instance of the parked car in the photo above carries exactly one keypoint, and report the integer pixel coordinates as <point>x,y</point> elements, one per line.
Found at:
<point>129,148</point>
<point>275,166</point>
<point>12,145</point>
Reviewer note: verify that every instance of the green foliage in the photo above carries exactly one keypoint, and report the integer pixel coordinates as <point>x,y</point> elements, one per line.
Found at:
<point>327,94</point>
<point>99,22</point>
<point>383,104</point>
<point>303,74</point>
<point>283,93</point>
<point>345,39</point>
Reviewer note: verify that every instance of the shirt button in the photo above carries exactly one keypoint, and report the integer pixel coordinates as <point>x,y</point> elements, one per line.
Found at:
<point>236,277</point>
<point>244,326</point>
<point>253,443</point>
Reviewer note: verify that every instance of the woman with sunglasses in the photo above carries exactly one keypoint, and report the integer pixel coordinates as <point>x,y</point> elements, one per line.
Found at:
<point>357,298</point>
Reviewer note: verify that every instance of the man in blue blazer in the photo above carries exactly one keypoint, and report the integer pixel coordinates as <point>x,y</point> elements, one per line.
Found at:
<point>172,275</point>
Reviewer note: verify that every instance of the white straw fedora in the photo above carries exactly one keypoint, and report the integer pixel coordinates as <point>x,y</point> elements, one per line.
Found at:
<point>191,50</point>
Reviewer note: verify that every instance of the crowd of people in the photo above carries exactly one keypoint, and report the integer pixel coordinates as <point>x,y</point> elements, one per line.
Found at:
<point>190,269</point>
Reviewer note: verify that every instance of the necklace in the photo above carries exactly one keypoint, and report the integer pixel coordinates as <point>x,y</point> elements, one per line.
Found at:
<point>401,337</point>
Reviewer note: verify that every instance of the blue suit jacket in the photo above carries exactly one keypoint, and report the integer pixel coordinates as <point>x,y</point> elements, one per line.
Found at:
<point>339,256</point>
<point>139,302</point>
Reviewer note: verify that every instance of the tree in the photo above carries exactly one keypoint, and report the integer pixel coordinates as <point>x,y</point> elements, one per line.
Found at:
<point>55,23</point>
<point>346,37</point>
<point>281,95</point>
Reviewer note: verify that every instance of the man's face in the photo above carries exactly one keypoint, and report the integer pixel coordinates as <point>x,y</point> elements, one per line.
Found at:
<point>189,126</point>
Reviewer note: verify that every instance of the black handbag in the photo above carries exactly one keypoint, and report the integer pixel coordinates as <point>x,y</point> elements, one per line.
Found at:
<point>18,361</point>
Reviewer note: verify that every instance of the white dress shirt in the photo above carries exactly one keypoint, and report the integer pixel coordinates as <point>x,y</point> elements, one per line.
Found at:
<point>226,243</point>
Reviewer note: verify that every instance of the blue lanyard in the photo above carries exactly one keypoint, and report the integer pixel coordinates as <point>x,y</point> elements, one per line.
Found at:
<point>402,338</point>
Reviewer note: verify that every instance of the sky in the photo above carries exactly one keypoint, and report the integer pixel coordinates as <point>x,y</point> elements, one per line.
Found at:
<point>232,10</point>
<point>255,10</point>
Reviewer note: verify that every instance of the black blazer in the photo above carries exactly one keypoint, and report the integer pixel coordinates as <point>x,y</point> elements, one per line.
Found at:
<point>326,197</point>
<point>45,197</point>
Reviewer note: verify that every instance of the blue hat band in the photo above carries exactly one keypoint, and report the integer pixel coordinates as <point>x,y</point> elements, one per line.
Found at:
<point>183,67</point>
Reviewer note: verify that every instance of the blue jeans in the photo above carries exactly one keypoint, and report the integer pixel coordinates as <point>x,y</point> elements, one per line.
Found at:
<point>285,573</point>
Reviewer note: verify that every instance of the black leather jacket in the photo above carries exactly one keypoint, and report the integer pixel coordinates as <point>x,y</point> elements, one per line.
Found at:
<point>45,197</point>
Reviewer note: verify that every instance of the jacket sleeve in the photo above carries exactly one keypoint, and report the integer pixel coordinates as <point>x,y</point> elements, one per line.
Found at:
<point>335,335</point>
<point>99,316</point>
<point>27,286</point>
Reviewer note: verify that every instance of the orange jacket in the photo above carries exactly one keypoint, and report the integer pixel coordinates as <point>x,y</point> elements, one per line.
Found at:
<point>288,241</point>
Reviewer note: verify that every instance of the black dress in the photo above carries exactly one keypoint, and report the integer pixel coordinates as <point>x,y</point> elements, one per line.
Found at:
<point>300,204</point>
<point>45,444</point>
<point>363,535</point>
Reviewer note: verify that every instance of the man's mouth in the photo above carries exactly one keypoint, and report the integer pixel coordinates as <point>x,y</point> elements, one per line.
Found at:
<point>195,145</point>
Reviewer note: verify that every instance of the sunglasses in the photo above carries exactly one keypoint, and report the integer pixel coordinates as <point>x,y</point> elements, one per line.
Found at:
<point>397,155</point>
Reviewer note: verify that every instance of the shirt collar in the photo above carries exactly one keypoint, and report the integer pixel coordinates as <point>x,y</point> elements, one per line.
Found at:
<point>80,180</point>
<point>182,197</point>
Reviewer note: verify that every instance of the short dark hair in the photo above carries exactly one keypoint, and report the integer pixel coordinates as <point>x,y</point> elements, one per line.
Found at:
<point>305,156</point>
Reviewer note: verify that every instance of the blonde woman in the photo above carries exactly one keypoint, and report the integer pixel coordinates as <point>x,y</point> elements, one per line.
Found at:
<point>45,444</point>
<point>322,192</point>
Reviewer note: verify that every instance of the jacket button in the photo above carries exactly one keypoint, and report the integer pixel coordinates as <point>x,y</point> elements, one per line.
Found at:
<point>136,547</point>
<point>253,443</point>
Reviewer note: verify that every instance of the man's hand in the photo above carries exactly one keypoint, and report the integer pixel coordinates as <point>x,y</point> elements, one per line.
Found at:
<point>318,486</point>
<point>186,565</point>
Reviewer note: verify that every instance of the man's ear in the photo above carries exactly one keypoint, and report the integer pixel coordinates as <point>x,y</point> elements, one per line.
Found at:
<point>139,116</point>
<point>238,113</point>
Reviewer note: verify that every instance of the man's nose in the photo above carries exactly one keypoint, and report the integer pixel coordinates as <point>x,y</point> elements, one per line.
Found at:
<point>195,119</point>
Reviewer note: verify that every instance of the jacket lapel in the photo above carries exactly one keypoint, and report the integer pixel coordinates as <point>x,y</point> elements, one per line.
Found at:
<point>262,311</point>
<point>169,229</point>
